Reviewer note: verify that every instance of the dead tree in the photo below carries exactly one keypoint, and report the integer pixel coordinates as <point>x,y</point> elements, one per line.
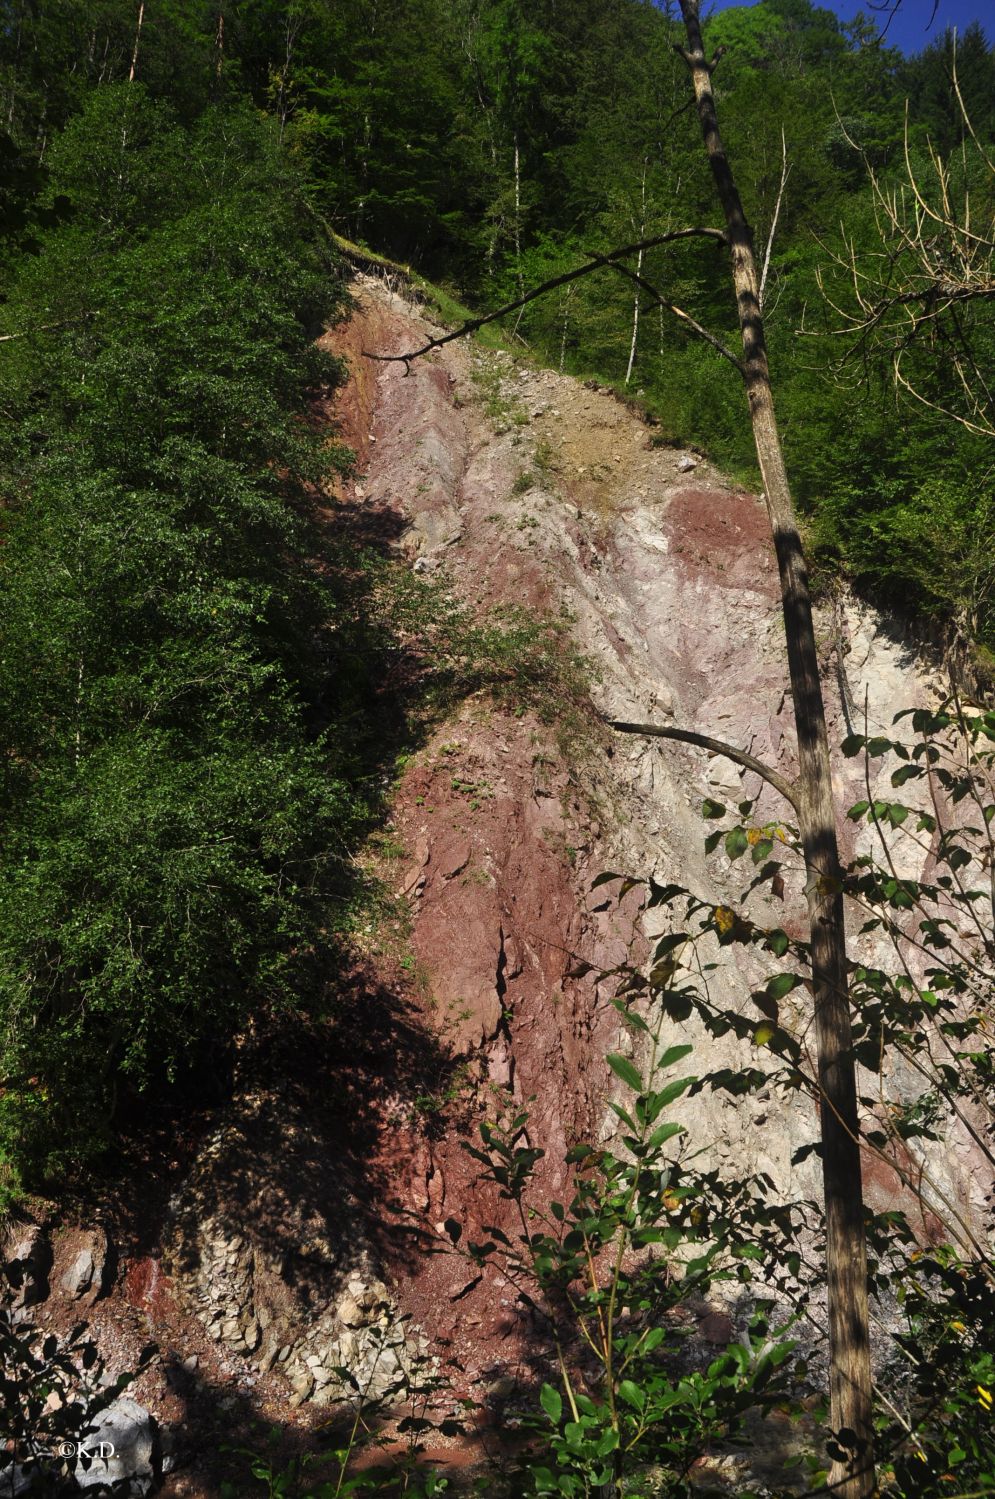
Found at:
<point>916,289</point>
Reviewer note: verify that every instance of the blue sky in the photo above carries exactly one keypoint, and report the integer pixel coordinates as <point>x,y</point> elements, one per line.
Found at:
<point>910,29</point>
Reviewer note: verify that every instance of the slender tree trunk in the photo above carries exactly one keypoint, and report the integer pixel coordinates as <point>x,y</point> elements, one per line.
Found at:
<point>846,1258</point>
<point>138,37</point>
<point>639,272</point>
<point>635,322</point>
<point>219,46</point>
<point>566,319</point>
<point>367,139</point>
<point>518,218</point>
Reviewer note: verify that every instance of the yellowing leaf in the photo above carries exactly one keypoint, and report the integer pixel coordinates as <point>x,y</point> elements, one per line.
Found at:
<point>724,919</point>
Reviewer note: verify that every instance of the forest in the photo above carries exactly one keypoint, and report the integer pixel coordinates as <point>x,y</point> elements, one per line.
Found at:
<point>210,690</point>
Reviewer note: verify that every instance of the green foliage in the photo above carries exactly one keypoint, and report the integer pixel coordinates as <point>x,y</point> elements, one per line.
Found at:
<point>169,811</point>
<point>925,1017</point>
<point>606,1274</point>
<point>52,1391</point>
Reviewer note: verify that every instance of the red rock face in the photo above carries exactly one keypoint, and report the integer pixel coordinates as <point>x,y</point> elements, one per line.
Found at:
<point>722,539</point>
<point>499,922</point>
<point>553,496</point>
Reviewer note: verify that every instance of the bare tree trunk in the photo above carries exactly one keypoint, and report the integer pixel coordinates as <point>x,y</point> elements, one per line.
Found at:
<point>219,46</point>
<point>138,37</point>
<point>566,319</point>
<point>639,271</point>
<point>518,218</point>
<point>367,141</point>
<point>846,1258</point>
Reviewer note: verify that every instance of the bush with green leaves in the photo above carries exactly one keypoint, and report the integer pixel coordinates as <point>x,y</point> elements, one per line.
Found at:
<point>52,1392</point>
<point>924,1019</point>
<point>605,1277</point>
<point>172,806</point>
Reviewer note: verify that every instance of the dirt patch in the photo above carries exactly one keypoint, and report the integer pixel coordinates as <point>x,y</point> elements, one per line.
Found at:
<point>722,537</point>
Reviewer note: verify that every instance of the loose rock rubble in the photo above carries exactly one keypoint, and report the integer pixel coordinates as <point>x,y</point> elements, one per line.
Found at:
<point>307,1308</point>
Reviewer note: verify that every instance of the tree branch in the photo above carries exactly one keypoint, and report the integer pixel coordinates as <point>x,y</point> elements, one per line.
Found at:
<point>472,324</point>
<point>677,312</point>
<point>45,327</point>
<point>715,747</point>
<point>785,170</point>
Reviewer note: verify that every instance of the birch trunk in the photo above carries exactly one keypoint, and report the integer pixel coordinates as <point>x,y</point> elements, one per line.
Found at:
<point>639,272</point>
<point>518,218</point>
<point>138,37</point>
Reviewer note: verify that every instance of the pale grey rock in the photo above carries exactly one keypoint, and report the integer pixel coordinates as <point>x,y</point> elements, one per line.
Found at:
<point>122,1446</point>
<point>27,1260</point>
<point>78,1279</point>
<point>350,1313</point>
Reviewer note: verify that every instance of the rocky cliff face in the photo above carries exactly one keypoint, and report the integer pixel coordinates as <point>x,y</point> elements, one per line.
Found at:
<point>321,1225</point>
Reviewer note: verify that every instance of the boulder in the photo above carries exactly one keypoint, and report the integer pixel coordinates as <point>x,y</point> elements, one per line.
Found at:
<point>122,1447</point>
<point>27,1260</point>
<point>88,1276</point>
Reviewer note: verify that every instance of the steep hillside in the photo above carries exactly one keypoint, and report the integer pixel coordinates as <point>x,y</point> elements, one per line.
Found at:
<point>322,1220</point>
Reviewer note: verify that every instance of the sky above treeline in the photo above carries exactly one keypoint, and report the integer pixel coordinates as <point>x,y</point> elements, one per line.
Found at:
<point>913,25</point>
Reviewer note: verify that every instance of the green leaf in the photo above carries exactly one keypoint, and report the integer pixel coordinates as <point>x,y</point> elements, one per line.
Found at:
<point>905,773</point>
<point>632,1394</point>
<point>736,843</point>
<point>782,984</point>
<point>712,809</point>
<point>624,1069</point>
<point>552,1403</point>
<point>671,1091</point>
<point>674,1054</point>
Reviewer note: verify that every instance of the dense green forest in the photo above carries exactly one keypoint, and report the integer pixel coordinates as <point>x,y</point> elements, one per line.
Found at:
<point>188,747</point>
